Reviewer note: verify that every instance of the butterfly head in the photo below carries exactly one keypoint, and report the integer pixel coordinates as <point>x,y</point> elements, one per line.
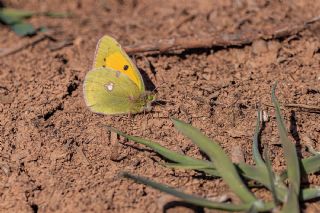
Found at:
<point>148,98</point>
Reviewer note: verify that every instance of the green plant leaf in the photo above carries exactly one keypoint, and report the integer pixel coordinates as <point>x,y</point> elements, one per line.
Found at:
<point>256,154</point>
<point>168,154</point>
<point>290,152</point>
<point>310,193</point>
<point>203,168</point>
<point>194,199</point>
<point>11,16</point>
<point>260,174</point>
<point>221,161</point>
<point>184,166</point>
<point>254,173</point>
<point>292,203</point>
<point>182,162</point>
<point>309,165</point>
<point>263,171</point>
<point>271,179</point>
<point>188,162</point>
<point>23,29</point>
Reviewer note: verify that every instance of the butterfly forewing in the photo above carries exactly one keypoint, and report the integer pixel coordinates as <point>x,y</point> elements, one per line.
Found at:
<point>109,54</point>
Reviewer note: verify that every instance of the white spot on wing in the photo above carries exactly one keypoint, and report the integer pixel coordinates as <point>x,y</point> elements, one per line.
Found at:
<point>109,86</point>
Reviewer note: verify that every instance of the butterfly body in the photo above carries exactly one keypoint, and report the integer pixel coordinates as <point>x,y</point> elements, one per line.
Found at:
<point>114,85</point>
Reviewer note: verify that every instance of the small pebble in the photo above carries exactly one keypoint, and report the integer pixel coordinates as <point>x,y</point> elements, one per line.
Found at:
<point>259,46</point>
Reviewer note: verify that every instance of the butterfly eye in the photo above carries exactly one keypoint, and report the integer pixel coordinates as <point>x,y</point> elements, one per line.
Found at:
<point>125,67</point>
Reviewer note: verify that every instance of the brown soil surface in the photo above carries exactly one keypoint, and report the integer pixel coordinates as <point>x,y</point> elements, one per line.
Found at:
<point>56,155</point>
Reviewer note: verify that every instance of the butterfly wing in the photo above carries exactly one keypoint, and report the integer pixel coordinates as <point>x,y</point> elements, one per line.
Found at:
<point>110,54</point>
<point>108,91</point>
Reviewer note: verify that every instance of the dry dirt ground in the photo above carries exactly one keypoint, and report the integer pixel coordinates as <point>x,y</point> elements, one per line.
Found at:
<point>56,155</point>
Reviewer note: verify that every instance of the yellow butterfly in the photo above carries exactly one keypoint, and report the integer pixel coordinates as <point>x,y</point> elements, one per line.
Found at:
<point>115,85</point>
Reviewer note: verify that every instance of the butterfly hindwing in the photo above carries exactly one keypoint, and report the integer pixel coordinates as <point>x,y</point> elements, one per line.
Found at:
<point>108,91</point>
<point>109,54</point>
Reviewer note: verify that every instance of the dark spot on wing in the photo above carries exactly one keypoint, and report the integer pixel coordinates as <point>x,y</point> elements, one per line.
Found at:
<point>125,67</point>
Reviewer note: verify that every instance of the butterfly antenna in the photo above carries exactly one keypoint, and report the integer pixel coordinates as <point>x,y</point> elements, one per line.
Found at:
<point>131,119</point>
<point>157,87</point>
<point>144,125</point>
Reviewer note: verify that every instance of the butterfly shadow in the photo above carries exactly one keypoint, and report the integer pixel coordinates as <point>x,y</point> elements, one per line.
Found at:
<point>178,203</point>
<point>150,86</point>
<point>148,83</point>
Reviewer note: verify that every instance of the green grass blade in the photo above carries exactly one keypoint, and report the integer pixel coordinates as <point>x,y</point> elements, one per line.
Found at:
<point>292,203</point>
<point>23,29</point>
<point>189,163</point>
<point>194,199</point>
<point>310,193</point>
<point>184,166</point>
<point>309,165</point>
<point>271,179</point>
<point>11,16</point>
<point>256,154</point>
<point>260,174</point>
<point>221,161</point>
<point>202,168</point>
<point>263,172</point>
<point>254,173</point>
<point>290,152</point>
<point>168,154</point>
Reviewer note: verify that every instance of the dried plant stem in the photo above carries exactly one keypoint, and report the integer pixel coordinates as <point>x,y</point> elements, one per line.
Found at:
<point>301,106</point>
<point>304,106</point>
<point>219,40</point>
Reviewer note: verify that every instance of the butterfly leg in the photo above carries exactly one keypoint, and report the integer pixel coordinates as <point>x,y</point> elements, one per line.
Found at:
<point>145,124</point>
<point>131,120</point>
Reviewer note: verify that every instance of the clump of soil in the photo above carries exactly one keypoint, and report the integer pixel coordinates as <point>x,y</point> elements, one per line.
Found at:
<point>57,156</point>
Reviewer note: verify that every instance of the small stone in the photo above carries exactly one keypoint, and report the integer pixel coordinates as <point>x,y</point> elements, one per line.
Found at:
<point>259,46</point>
<point>237,155</point>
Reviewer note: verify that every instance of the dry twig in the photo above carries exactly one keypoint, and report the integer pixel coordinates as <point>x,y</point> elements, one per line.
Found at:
<point>219,40</point>
<point>61,44</point>
<point>309,108</point>
<point>304,106</point>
